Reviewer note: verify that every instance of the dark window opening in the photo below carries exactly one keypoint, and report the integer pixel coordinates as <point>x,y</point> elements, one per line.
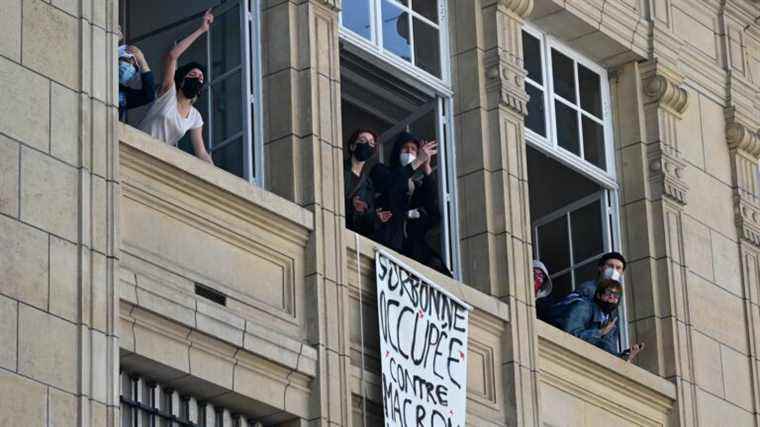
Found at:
<point>210,294</point>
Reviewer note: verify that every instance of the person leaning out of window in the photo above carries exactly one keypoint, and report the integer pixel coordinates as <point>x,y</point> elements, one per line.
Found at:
<point>542,288</point>
<point>408,190</point>
<point>172,114</point>
<point>361,215</point>
<point>131,63</point>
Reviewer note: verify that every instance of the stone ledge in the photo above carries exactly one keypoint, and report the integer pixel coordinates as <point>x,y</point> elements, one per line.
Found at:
<point>598,372</point>
<point>138,149</point>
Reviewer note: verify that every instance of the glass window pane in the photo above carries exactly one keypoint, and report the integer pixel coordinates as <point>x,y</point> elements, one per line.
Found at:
<point>225,42</point>
<point>587,232</point>
<point>356,17</point>
<point>593,143</point>
<point>396,31</point>
<point>585,273</point>
<point>228,106</point>
<point>563,74</point>
<point>553,244</point>
<point>230,157</point>
<point>567,127</point>
<point>536,118</point>
<point>591,91</point>
<point>532,57</point>
<point>427,48</point>
<point>561,285</point>
<point>426,8</point>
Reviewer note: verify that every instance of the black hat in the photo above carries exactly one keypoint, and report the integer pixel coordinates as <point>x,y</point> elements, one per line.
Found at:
<point>612,255</point>
<point>402,139</point>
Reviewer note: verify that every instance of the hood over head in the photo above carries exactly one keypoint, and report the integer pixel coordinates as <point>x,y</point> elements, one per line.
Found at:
<point>546,288</point>
<point>402,139</point>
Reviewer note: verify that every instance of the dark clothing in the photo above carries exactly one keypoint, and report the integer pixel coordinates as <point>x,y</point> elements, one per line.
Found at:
<point>401,233</point>
<point>132,98</point>
<point>363,188</point>
<point>580,316</point>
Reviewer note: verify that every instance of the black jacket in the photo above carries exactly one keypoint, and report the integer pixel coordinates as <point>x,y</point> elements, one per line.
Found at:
<point>134,98</point>
<point>401,233</point>
<point>362,223</point>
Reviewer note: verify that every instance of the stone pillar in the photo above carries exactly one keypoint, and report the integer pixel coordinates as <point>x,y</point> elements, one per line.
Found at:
<point>304,163</point>
<point>490,105</point>
<point>58,224</point>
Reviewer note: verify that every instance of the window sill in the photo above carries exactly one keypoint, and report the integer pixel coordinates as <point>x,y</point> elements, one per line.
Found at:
<point>592,375</point>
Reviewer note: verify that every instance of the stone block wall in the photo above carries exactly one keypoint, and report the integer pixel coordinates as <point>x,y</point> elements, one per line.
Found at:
<point>58,195</point>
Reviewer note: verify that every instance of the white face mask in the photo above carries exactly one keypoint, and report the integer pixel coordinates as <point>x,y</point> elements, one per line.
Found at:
<point>611,273</point>
<point>407,158</point>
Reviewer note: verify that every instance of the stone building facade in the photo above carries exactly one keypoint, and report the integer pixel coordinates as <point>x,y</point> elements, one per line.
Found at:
<point>136,278</point>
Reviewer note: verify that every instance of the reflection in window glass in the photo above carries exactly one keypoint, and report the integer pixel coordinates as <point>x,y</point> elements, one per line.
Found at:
<point>536,118</point>
<point>228,114</point>
<point>553,244</point>
<point>593,143</point>
<point>426,48</point>
<point>396,37</point>
<point>356,17</point>
<point>585,273</point>
<point>230,157</point>
<point>225,42</point>
<point>532,58</point>
<point>567,127</point>
<point>426,8</point>
<point>586,223</point>
<point>563,73</point>
<point>591,92</point>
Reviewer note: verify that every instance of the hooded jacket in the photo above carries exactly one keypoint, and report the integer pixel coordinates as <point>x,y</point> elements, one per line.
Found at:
<point>391,181</point>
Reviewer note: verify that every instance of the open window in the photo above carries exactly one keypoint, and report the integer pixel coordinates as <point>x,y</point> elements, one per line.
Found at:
<point>394,79</point>
<point>230,51</point>
<point>571,168</point>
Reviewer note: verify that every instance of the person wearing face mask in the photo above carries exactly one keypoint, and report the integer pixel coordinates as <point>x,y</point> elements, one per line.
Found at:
<point>610,266</point>
<point>408,190</point>
<point>542,288</point>
<point>172,114</point>
<point>131,62</point>
<point>359,189</point>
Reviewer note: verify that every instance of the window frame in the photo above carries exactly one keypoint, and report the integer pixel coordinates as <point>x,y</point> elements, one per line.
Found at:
<point>376,48</point>
<point>549,144</point>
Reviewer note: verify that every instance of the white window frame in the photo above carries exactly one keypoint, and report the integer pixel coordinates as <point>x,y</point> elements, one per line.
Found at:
<point>440,89</point>
<point>549,145</point>
<point>375,44</point>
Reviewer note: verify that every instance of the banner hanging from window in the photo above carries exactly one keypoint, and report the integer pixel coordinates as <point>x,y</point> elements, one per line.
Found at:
<point>423,345</point>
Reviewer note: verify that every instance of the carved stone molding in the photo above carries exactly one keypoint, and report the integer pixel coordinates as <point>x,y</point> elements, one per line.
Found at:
<point>666,170</point>
<point>332,4</point>
<point>521,8</point>
<point>740,138</point>
<point>668,93</point>
<point>506,78</point>
<point>747,218</point>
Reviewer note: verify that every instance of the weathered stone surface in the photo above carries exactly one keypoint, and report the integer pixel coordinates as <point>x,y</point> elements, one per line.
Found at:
<point>8,336</point>
<point>10,22</point>
<point>24,264</point>
<point>51,42</point>
<point>24,402</point>
<point>64,282</point>
<point>25,107</point>
<point>9,176</point>
<point>51,361</point>
<point>49,194</point>
<point>64,123</point>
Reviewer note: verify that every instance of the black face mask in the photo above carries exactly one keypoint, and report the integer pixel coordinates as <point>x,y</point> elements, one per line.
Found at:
<point>363,152</point>
<point>191,87</point>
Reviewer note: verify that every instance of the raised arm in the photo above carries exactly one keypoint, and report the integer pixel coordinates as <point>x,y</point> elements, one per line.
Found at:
<point>171,57</point>
<point>196,138</point>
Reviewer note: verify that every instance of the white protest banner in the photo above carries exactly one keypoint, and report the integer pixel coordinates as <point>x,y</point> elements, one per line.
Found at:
<point>423,345</point>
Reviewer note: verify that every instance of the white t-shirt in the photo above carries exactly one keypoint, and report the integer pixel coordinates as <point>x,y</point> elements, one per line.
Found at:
<point>164,122</point>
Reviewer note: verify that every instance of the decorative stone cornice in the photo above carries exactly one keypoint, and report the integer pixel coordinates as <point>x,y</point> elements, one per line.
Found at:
<point>506,78</point>
<point>666,173</point>
<point>747,218</point>
<point>332,4</point>
<point>520,8</point>
<point>668,94</point>
<point>740,138</point>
